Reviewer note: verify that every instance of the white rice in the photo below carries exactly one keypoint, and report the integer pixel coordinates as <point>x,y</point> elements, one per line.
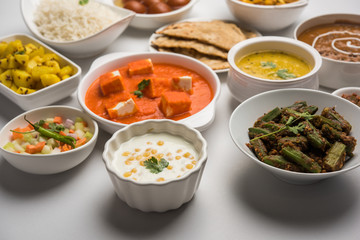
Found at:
<point>67,20</point>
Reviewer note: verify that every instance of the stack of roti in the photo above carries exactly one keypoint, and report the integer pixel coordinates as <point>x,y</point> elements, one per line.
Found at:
<point>207,41</point>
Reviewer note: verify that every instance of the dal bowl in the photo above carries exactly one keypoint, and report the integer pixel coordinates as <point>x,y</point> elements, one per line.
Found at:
<point>154,195</point>
<point>200,120</point>
<point>245,115</point>
<point>47,163</point>
<point>336,73</point>
<point>243,85</point>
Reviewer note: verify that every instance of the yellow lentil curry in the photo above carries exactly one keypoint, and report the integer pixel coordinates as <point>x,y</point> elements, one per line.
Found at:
<point>273,65</point>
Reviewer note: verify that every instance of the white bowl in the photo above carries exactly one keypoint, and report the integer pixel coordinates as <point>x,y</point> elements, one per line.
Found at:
<point>250,110</point>
<point>201,120</point>
<point>347,90</point>
<point>154,21</point>
<point>333,73</point>
<point>264,17</point>
<point>85,47</point>
<point>47,163</point>
<point>156,196</point>
<point>49,94</point>
<point>243,85</point>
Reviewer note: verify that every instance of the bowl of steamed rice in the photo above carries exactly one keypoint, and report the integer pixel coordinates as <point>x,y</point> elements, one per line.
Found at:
<point>77,29</point>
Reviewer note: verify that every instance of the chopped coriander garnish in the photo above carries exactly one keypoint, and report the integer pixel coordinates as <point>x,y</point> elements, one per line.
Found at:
<point>284,74</point>
<point>156,166</point>
<point>141,86</point>
<point>268,64</point>
<point>83,2</point>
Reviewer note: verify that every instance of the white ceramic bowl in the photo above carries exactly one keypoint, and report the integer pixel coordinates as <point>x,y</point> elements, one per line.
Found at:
<point>86,47</point>
<point>250,110</point>
<point>156,196</point>
<point>243,85</point>
<point>47,95</point>
<point>267,18</point>
<point>347,90</point>
<point>333,73</point>
<point>154,21</point>
<point>47,163</point>
<point>201,120</point>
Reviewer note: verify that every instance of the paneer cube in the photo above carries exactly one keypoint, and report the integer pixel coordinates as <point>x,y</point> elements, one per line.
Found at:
<point>143,66</point>
<point>156,87</point>
<point>111,82</point>
<point>122,109</point>
<point>183,83</point>
<point>174,103</point>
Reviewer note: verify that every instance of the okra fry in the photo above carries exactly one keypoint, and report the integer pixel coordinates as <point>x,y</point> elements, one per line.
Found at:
<point>335,157</point>
<point>330,113</point>
<point>280,162</point>
<point>300,158</point>
<point>259,148</point>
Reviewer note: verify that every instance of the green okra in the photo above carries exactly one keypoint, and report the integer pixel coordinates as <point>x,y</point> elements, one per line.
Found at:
<point>297,105</point>
<point>299,141</point>
<point>280,162</point>
<point>259,148</point>
<point>301,158</point>
<point>314,137</point>
<point>334,135</point>
<point>335,157</point>
<point>330,113</point>
<point>269,116</point>
<point>257,131</point>
<point>319,120</point>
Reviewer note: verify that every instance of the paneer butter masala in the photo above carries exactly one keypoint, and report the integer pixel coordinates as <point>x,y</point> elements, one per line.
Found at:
<point>146,90</point>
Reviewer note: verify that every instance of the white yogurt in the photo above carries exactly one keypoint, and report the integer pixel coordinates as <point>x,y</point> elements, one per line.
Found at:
<point>130,157</point>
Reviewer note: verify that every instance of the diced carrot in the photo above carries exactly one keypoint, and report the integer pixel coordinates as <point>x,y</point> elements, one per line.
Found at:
<point>45,125</point>
<point>58,120</point>
<point>30,127</point>
<point>16,135</point>
<point>65,148</point>
<point>80,142</point>
<point>71,131</point>
<point>62,133</point>
<point>35,148</point>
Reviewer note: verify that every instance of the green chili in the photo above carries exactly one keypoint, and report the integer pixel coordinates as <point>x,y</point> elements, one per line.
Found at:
<point>47,133</point>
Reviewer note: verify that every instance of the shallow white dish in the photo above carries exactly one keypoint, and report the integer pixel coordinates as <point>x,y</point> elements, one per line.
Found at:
<point>267,18</point>
<point>47,95</point>
<point>85,47</point>
<point>153,21</point>
<point>347,90</point>
<point>250,110</point>
<point>47,163</point>
<point>243,85</point>
<point>334,73</point>
<point>155,35</point>
<point>201,120</point>
<point>156,196</point>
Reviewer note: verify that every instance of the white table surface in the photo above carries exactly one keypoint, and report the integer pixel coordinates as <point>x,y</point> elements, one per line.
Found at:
<point>236,199</point>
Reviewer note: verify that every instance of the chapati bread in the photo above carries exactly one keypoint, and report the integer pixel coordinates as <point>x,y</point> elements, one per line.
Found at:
<point>218,33</point>
<point>168,42</point>
<point>212,62</point>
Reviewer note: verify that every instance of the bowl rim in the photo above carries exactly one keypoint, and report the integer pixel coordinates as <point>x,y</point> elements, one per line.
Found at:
<point>174,12</point>
<point>94,138</point>
<point>296,32</point>
<point>128,15</point>
<point>146,55</point>
<point>298,4</point>
<point>254,158</point>
<point>252,41</point>
<point>201,162</point>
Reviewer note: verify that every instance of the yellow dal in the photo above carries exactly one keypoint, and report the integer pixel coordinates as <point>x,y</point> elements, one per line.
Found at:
<point>272,65</point>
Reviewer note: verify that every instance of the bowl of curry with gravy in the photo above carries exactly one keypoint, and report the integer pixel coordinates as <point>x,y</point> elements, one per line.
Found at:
<point>337,38</point>
<point>121,89</point>
<point>268,63</point>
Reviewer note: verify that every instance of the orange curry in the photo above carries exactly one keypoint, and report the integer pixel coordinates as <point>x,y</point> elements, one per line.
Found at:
<point>145,90</point>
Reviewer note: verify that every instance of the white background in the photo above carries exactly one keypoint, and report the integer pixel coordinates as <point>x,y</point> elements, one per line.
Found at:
<point>236,199</point>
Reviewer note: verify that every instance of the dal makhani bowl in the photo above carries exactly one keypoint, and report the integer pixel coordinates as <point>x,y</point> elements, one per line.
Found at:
<point>337,38</point>
<point>126,89</point>
<point>267,63</point>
